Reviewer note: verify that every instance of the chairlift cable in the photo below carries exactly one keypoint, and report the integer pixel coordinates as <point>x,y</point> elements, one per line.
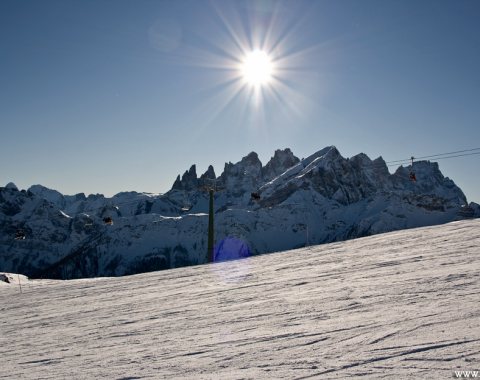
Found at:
<point>435,155</point>
<point>459,155</point>
<point>407,161</point>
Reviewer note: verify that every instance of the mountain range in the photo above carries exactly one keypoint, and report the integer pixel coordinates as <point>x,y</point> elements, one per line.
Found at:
<point>296,202</point>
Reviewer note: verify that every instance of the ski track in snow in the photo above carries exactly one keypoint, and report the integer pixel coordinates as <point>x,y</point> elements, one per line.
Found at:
<point>396,305</point>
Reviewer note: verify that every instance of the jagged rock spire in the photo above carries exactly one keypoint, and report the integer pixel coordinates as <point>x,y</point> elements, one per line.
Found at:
<point>279,163</point>
<point>209,174</point>
<point>189,180</point>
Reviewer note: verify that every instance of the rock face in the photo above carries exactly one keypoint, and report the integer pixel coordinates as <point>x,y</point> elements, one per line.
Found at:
<point>279,163</point>
<point>322,198</point>
<point>189,180</point>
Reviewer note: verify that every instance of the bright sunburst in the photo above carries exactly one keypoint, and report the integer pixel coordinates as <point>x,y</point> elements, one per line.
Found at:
<point>261,63</point>
<point>257,68</point>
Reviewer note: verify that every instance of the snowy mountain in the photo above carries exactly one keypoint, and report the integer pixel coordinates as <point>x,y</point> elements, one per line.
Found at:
<point>400,305</point>
<point>320,199</point>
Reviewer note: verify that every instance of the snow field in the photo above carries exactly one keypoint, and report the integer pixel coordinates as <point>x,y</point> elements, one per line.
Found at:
<point>398,305</point>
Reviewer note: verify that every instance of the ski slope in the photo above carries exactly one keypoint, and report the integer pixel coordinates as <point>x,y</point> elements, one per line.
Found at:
<point>398,305</point>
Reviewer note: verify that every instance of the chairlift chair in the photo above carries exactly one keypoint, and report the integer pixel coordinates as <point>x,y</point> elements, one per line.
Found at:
<point>255,196</point>
<point>20,234</point>
<point>412,175</point>
<point>108,220</point>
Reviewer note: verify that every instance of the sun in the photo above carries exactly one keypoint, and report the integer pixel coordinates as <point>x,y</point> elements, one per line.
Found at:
<point>257,68</point>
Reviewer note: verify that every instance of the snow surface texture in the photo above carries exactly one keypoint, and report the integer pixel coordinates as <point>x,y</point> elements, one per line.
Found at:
<point>397,305</point>
<point>319,199</point>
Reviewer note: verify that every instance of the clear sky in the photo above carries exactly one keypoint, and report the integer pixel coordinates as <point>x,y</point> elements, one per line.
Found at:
<point>103,96</point>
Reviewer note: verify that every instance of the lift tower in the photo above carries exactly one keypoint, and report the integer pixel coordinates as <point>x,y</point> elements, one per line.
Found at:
<point>211,187</point>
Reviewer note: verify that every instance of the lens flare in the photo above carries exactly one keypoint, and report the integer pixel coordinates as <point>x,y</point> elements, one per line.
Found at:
<point>231,248</point>
<point>227,255</point>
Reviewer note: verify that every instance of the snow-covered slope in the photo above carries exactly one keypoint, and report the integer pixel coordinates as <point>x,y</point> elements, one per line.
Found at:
<point>320,199</point>
<point>398,305</point>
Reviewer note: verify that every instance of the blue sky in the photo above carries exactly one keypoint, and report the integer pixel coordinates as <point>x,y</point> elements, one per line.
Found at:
<point>102,96</point>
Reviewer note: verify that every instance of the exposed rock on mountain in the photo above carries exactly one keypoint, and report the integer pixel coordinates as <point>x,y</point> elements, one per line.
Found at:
<point>279,163</point>
<point>189,180</point>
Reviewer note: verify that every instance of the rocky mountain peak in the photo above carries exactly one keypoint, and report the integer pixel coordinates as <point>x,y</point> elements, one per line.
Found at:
<point>380,166</point>
<point>209,174</point>
<point>361,158</point>
<point>244,176</point>
<point>249,161</point>
<point>11,186</point>
<point>279,163</point>
<point>328,153</point>
<point>189,180</point>
<point>51,195</point>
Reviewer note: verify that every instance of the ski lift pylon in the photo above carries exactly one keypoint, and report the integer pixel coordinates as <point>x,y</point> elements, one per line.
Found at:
<point>186,205</point>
